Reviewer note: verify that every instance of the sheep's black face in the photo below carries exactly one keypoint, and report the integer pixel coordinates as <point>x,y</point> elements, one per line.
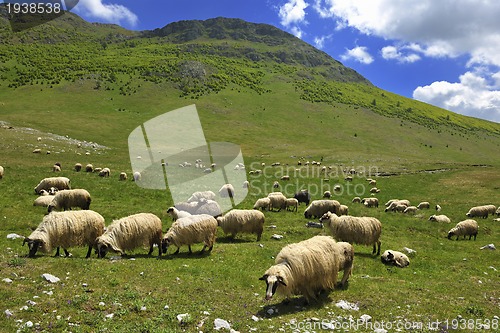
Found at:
<point>33,246</point>
<point>164,244</point>
<point>102,250</point>
<point>450,234</point>
<point>272,283</point>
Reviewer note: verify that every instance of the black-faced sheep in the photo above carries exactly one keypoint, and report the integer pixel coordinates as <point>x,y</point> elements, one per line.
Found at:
<point>177,214</point>
<point>262,203</point>
<point>409,210</point>
<point>226,191</point>
<point>242,221</point>
<point>497,212</point>
<point>359,230</point>
<point>356,200</point>
<point>191,230</point>
<point>424,205</point>
<point>293,204</point>
<point>78,167</point>
<point>128,233</point>
<point>277,200</point>
<point>397,206</point>
<point>309,267</point>
<point>327,194</point>
<point>396,258</point>
<point>464,228</point>
<point>66,229</point>
<point>440,218</point>
<point>61,183</point>
<point>319,207</point>
<point>89,168</point>
<point>123,176</point>
<point>104,172</point>
<point>303,196</point>
<point>438,208</point>
<point>370,202</point>
<point>481,211</point>
<point>67,199</point>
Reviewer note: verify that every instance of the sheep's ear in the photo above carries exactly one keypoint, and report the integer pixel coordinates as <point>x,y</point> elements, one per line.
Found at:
<point>280,280</point>
<point>390,256</point>
<point>263,277</point>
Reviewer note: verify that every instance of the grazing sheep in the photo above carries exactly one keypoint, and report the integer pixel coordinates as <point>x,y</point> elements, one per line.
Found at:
<point>276,184</point>
<point>374,190</point>
<point>246,184</point>
<point>67,199</point>
<point>396,258</point>
<point>348,179</point>
<point>277,200</point>
<point>303,196</point>
<point>344,210</point>
<point>410,210</point>
<point>43,200</point>
<point>196,196</point>
<point>370,202</point>
<point>337,188</point>
<point>481,211</point>
<point>309,267</point>
<point>242,221</point>
<point>356,200</point>
<point>89,168</point>
<point>438,208</point>
<point>177,214</point>
<point>128,233</point>
<point>137,176</point>
<point>390,202</point>
<point>440,218</point>
<point>226,191</point>
<point>319,207</point>
<point>497,212</point>
<point>209,207</point>
<point>372,182</point>
<point>37,151</point>
<point>123,176</point>
<point>262,203</point>
<point>78,167</point>
<point>327,194</point>
<point>464,228</point>
<point>66,229</point>
<point>191,230</point>
<point>104,172</point>
<point>359,230</point>
<point>286,177</point>
<point>1,172</point>
<point>424,205</point>
<point>293,203</point>
<point>56,168</point>
<point>60,183</point>
<point>397,205</point>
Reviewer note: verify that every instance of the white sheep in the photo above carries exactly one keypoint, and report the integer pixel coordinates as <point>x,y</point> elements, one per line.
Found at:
<point>78,167</point>
<point>177,214</point>
<point>372,182</point>
<point>209,207</point>
<point>397,205</point>
<point>293,203</point>
<point>196,196</point>
<point>123,176</point>
<point>128,233</point>
<point>277,200</point>
<point>319,207</point>
<point>56,168</point>
<point>226,191</point>
<point>438,208</point>
<point>191,230</point>
<point>343,210</point>
<point>43,200</point>
<point>396,258</point>
<point>464,228</point>
<point>390,201</point>
<point>246,184</point>
<point>66,229</point>
<point>89,168</point>
<point>61,183</point>
<point>276,184</point>
<point>67,199</point>
<point>440,218</point>
<point>1,172</point>
<point>374,190</point>
<point>262,203</point>
<point>424,205</point>
<point>410,210</point>
<point>137,176</point>
<point>104,172</point>
<point>309,267</point>
<point>359,230</point>
<point>370,202</point>
<point>190,207</point>
<point>285,177</point>
<point>481,211</point>
<point>356,200</point>
<point>242,221</point>
<point>327,194</point>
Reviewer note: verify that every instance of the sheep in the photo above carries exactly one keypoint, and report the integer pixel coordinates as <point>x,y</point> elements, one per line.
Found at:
<point>374,190</point>
<point>277,200</point>
<point>276,184</point>
<point>390,201</point>
<point>309,267</point>
<point>424,205</point>
<point>104,172</point>
<point>56,168</point>
<point>497,212</point>
<point>51,191</point>
<point>356,200</point>
<point>1,172</point>
<point>285,177</point>
<point>303,196</point>
<point>209,207</point>
<point>395,203</point>
<point>370,202</point>
<point>66,229</point>
<point>191,230</point>
<point>319,207</point>
<point>89,168</point>
<point>44,193</point>
<point>343,210</point>
<point>293,203</point>
<point>61,183</point>
<point>481,211</point>
<point>246,184</point>
<point>327,194</point>
<point>123,176</point>
<point>337,188</point>
<point>464,228</point>
<point>372,182</point>
<point>68,199</point>
<point>359,230</point>
<point>396,258</point>
<point>177,214</point>
<point>242,221</point>
<point>37,151</point>
<point>136,176</point>
<point>348,179</point>
<point>227,190</point>
<point>129,233</point>
<point>410,210</point>
<point>43,200</point>
<point>440,218</point>
<point>196,196</point>
<point>438,208</point>
<point>190,207</point>
<point>78,167</point>
<point>262,203</point>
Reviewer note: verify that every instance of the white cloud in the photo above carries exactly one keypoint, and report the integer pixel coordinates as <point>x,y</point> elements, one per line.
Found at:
<point>472,96</point>
<point>293,12</point>
<point>359,54</point>
<point>319,42</point>
<point>394,53</point>
<point>296,31</point>
<point>108,12</point>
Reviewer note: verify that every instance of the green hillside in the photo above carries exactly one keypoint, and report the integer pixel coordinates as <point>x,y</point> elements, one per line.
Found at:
<point>76,90</point>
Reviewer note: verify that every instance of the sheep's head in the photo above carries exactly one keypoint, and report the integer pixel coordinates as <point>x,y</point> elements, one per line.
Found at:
<point>33,245</point>
<point>50,208</point>
<point>103,246</point>
<point>468,215</point>
<point>451,234</point>
<point>432,218</point>
<point>272,283</point>
<point>166,242</point>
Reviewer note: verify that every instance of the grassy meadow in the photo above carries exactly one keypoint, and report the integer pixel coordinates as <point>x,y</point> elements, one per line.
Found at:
<point>276,112</point>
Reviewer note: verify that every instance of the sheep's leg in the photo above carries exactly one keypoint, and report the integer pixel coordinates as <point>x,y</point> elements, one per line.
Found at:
<point>259,236</point>
<point>89,252</point>
<point>475,236</point>
<point>378,251</point>
<point>57,252</point>
<point>210,248</point>
<point>177,252</point>
<point>203,249</point>
<point>150,250</point>
<point>66,253</point>
<point>189,247</point>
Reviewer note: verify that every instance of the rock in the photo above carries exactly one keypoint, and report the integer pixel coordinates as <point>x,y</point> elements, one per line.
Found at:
<point>221,323</point>
<point>51,278</point>
<point>7,280</point>
<point>366,318</point>
<point>346,305</point>
<point>276,236</point>
<point>14,236</point>
<point>409,251</point>
<point>183,317</point>
<point>488,247</point>
<point>255,318</point>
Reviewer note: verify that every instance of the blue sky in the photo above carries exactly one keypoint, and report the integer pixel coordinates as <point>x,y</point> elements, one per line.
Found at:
<point>445,52</point>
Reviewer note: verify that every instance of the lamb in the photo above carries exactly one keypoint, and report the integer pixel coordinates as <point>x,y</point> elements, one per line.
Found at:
<point>123,176</point>
<point>61,183</point>
<point>242,221</point>
<point>191,230</point>
<point>344,210</point>
<point>410,210</point>
<point>68,199</point>
<point>262,203</point>
<point>481,211</point>
<point>177,214</point>
<point>395,258</point>
<point>370,202</point>
<point>319,207</point>
<point>227,190</point>
<point>78,167</point>
<point>137,176</point>
<point>1,172</point>
<point>293,203</point>
<point>309,267</point>
<point>464,228</point>
<point>424,205</point>
<point>89,168</point>
<point>359,230</point>
<point>440,218</point>
<point>303,196</point>
<point>196,196</point>
<point>43,200</point>
<point>66,229</point>
<point>277,200</point>
<point>129,233</point>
